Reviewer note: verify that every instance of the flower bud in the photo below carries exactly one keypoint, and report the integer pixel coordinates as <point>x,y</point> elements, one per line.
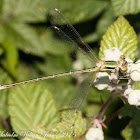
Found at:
<point>135,71</point>
<point>112,54</point>
<point>134,97</point>
<point>130,62</point>
<point>102,80</point>
<point>127,92</point>
<point>95,134</point>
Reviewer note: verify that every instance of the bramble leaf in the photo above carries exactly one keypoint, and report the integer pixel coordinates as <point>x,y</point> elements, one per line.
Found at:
<point>61,131</point>
<point>10,59</point>
<point>54,44</point>
<point>136,85</point>
<point>35,11</point>
<point>31,105</point>
<point>2,33</point>
<point>124,7</point>
<point>26,10</point>
<point>82,10</point>
<point>24,37</point>
<point>132,130</point>
<point>121,35</point>
<point>106,20</point>
<point>4,94</point>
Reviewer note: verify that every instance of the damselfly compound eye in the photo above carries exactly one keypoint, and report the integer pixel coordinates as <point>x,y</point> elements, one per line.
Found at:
<point>122,57</point>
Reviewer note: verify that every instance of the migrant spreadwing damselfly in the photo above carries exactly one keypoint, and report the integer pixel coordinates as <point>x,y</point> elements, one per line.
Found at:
<point>66,31</point>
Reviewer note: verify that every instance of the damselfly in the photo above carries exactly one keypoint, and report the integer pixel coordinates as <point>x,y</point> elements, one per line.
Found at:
<point>68,32</point>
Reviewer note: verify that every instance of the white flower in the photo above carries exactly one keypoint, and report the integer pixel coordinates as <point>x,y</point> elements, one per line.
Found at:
<point>95,134</point>
<point>127,92</point>
<point>112,54</point>
<point>130,62</point>
<point>135,71</point>
<point>102,80</point>
<point>134,97</point>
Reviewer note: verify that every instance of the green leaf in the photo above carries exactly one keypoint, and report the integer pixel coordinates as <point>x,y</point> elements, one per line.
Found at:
<point>82,62</point>
<point>124,7</point>
<point>121,35</point>
<point>64,131</point>
<point>92,37</point>
<point>1,51</point>
<point>4,106</point>
<point>138,52</point>
<point>5,79</point>
<point>38,133</point>
<point>66,89</point>
<point>85,10</point>
<point>136,85</point>
<point>10,59</point>
<point>55,45</point>
<point>132,130</point>
<point>33,11</point>
<point>24,37</point>
<point>2,33</point>
<point>102,24</point>
<point>1,6</point>
<point>30,105</point>
<point>59,64</point>
<point>106,19</point>
<point>61,131</point>
<point>26,10</point>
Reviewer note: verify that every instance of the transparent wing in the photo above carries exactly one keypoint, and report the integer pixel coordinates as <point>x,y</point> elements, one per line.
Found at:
<point>78,99</point>
<point>68,32</point>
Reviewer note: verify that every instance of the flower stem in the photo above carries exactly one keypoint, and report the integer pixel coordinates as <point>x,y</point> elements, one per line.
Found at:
<point>105,105</point>
<point>112,116</point>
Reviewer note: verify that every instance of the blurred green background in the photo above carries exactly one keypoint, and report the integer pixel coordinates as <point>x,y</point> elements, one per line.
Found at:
<point>28,50</point>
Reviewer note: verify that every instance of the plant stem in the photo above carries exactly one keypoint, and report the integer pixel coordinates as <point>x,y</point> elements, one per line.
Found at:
<point>5,124</point>
<point>112,116</point>
<point>105,105</point>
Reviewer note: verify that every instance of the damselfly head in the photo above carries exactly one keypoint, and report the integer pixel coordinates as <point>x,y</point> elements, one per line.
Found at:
<point>122,57</point>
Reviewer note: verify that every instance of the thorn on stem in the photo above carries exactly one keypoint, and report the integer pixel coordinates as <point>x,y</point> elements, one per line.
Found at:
<point>89,116</point>
<point>102,102</point>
